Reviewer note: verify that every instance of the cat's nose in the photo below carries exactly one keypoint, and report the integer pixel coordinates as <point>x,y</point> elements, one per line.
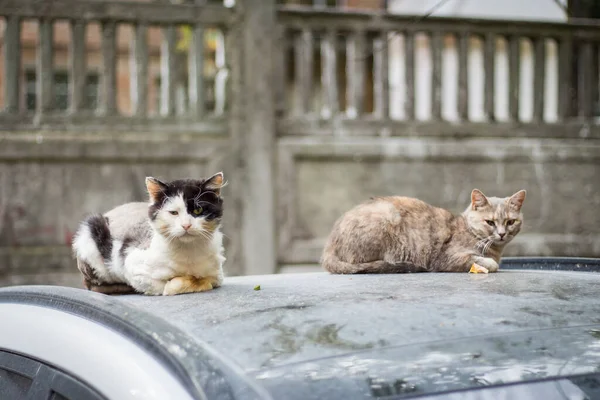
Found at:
<point>502,235</point>
<point>186,226</point>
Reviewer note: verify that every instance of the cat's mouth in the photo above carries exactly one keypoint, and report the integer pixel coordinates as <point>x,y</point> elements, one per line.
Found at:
<point>186,237</point>
<point>184,234</point>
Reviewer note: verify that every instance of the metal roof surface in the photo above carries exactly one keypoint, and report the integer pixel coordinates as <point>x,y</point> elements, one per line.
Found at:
<point>315,335</point>
<point>301,317</point>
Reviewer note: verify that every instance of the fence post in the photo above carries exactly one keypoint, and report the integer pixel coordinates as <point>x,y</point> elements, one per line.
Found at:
<point>253,134</point>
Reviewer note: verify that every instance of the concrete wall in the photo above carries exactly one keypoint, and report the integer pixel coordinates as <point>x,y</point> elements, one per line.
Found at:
<point>49,181</point>
<point>326,177</point>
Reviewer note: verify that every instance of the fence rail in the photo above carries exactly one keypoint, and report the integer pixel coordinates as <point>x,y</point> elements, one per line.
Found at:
<point>364,49</point>
<point>187,82</point>
<point>119,11</point>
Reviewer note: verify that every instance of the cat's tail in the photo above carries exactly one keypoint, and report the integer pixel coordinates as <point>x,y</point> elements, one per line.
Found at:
<point>332,263</point>
<point>92,247</point>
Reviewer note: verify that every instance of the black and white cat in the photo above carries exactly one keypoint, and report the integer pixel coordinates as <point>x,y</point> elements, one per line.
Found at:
<point>170,246</point>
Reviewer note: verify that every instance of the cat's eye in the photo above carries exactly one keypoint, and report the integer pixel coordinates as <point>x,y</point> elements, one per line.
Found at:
<point>173,212</point>
<point>197,211</point>
<point>490,222</point>
<point>510,222</point>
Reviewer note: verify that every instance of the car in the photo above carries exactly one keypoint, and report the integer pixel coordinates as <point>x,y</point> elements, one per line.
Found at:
<point>530,331</point>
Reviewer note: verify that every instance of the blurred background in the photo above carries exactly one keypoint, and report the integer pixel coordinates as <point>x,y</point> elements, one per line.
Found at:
<point>309,107</point>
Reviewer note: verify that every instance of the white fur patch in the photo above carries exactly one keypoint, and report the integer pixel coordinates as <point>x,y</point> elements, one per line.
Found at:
<point>149,270</point>
<point>116,263</point>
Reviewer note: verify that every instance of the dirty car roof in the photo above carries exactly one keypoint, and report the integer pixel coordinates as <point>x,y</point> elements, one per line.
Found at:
<point>301,317</point>
<point>318,335</point>
<point>315,335</point>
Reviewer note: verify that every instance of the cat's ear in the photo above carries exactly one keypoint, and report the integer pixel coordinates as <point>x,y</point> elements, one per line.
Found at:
<point>215,183</point>
<point>155,188</point>
<point>478,199</point>
<point>515,202</point>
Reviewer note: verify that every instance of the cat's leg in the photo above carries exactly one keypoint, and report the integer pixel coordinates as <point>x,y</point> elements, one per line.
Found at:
<point>145,284</point>
<point>191,284</point>
<point>216,282</point>
<point>213,278</point>
<point>461,261</point>
<point>488,263</point>
<point>144,276</point>
<point>94,284</point>
<point>217,279</point>
<point>188,284</point>
<point>89,276</point>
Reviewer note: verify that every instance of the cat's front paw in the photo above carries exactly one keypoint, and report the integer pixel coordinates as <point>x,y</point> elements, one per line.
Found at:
<point>488,263</point>
<point>493,267</point>
<point>186,284</point>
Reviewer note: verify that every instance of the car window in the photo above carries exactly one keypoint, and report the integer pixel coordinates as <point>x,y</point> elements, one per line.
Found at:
<point>25,378</point>
<point>13,385</point>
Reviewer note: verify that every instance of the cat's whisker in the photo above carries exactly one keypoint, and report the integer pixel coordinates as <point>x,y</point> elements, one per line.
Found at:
<point>487,246</point>
<point>170,238</point>
<point>481,244</point>
<point>484,247</point>
<point>205,234</point>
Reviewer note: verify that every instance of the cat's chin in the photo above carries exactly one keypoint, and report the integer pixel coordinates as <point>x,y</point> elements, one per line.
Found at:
<point>187,238</point>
